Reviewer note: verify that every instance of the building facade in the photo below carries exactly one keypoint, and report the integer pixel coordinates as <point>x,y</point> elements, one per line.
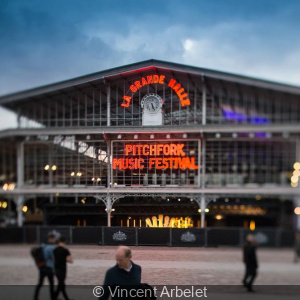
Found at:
<point>153,144</point>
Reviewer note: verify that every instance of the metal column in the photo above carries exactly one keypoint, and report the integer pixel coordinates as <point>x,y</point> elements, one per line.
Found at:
<point>203,103</point>
<point>108,104</point>
<point>203,207</point>
<point>19,200</point>
<point>108,210</point>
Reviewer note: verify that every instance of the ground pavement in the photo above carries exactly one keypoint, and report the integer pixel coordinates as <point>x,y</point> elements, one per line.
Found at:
<point>210,267</point>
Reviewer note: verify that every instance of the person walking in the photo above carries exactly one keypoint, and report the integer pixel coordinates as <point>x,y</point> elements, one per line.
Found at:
<point>250,260</point>
<point>124,273</point>
<point>46,270</point>
<point>62,255</point>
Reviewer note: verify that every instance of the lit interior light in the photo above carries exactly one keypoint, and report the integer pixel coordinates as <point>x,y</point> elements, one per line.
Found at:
<point>152,136</point>
<point>57,194</point>
<point>234,135</point>
<point>251,135</point>
<point>192,199</point>
<point>135,136</point>
<point>252,225</point>
<point>119,136</point>
<point>218,135</point>
<point>5,187</point>
<point>199,210</point>
<point>83,201</point>
<point>206,209</point>
<point>184,135</point>
<point>98,179</point>
<point>179,199</point>
<point>294,179</point>
<point>297,166</point>
<point>54,167</point>
<point>73,174</point>
<point>11,186</point>
<point>25,208</point>
<point>93,179</point>
<point>297,211</point>
<point>47,167</point>
<point>296,173</point>
<point>294,184</point>
<point>168,136</point>
<point>79,174</point>
<point>258,197</point>
<point>219,217</point>
<point>4,205</point>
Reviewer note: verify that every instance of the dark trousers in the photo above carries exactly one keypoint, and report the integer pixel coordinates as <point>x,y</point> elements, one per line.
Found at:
<point>249,277</point>
<point>44,272</point>
<point>61,287</point>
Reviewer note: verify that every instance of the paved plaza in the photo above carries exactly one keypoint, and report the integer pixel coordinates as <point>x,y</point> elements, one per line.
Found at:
<point>161,266</point>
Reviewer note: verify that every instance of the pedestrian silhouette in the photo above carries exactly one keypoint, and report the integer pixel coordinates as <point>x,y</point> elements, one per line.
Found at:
<point>62,256</point>
<point>250,260</point>
<point>46,269</point>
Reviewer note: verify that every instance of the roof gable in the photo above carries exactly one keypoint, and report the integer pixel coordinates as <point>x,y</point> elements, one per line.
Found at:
<point>109,74</point>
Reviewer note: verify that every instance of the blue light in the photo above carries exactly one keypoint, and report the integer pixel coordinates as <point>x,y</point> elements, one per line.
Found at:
<point>240,117</point>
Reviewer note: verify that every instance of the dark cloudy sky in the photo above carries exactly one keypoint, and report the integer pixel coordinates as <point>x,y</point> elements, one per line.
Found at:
<point>43,41</point>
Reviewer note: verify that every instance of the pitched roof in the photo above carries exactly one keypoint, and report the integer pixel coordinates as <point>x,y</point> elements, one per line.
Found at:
<point>144,65</point>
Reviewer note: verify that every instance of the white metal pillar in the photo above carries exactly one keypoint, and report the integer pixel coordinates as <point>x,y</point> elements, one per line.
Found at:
<point>202,207</point>
<point>108,210</point>
<point>108,200</point>
<point>20,164</point>
<point>19,201</point>
<point>203,201</point>
<point>108,152</point>
<point>108,103</point>
<point>203,102</point>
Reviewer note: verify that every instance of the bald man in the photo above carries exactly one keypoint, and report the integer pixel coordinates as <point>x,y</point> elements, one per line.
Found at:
<point>124,273</point>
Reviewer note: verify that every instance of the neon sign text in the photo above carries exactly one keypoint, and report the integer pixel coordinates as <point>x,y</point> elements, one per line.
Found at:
<point>173,154</point>
<point>148,80</point>
<point>157,79</point>
<point>182,163</point>
<point>180,92</point>
<point>155,150</point>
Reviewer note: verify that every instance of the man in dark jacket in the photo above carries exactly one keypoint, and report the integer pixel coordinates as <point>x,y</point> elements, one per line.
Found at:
<point>47,269</point>
<point>62,256</point>
<point>123,277</point>
<point>249,251</point>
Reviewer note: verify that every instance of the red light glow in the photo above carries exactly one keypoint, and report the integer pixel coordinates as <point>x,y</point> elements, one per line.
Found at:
<point>175,159</point>
<point>157,79</point>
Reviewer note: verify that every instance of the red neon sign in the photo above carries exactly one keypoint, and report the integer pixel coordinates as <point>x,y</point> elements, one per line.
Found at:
<point>157,79</point>
<point>175,159</point>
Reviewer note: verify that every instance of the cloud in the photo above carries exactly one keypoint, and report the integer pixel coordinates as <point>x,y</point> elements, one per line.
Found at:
<point>48,42</point>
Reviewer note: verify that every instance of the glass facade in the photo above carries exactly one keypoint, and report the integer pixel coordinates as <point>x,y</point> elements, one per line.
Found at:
<point>83,135</point>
